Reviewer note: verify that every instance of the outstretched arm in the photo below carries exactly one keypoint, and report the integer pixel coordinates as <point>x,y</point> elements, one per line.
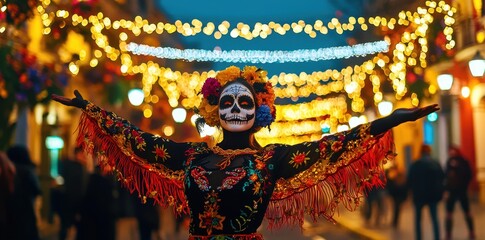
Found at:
<point>77,101</point>
<point>149,164</point>
<point>129,138</point>
<point>337,169</point>
<point>399,116</point>
<point>339,147</point>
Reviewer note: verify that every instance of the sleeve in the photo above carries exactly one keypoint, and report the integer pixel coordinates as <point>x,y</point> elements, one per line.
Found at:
<point>315,177</point>
<point>151,165</point>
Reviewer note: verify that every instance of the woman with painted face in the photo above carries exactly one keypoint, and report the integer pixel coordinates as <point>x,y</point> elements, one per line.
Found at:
<point>228,189</point>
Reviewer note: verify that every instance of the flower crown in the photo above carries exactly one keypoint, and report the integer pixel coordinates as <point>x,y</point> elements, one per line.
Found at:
<point>265,97</point>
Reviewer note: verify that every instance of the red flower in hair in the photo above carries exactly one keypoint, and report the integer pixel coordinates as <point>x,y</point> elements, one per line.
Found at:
<point>211,87</point>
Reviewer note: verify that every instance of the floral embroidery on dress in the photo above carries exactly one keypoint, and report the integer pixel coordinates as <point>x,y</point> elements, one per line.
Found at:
<point>140,142</point>
<point>161,152</point>
<point>322,148</point>
<point>258,172</point>
<point>245,217</point>
<point>311,177</point>
<point>299,159</point>
<point>337,146</point>
<point>210,218</point>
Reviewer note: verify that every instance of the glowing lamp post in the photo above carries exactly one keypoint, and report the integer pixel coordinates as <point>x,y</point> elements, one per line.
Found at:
<point>445,82</point>
<point>477,65</point>
<point>54,144</point>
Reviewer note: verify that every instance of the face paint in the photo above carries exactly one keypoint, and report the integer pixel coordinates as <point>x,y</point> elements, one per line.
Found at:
<point>236,108</point>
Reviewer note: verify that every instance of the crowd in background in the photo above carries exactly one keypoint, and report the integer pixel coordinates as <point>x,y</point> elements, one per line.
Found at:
<point>88,204</point>
<point>426,183</point>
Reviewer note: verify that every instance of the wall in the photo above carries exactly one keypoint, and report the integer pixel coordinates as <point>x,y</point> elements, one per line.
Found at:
<point>478,104</point>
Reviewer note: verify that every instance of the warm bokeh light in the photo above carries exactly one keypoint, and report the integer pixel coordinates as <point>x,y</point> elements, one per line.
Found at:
<point>408,53</point>
<point>193,119</point>
<point>168,130</point>
<point>465,91</point>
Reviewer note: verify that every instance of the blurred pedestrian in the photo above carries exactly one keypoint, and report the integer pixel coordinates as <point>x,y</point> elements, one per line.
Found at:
<point>22,221</point>
<point>98,211</point>
<point>72,191</point>
<point>7,174</point>
<point>398,191</point>
<point>458,176</point>
<point>374,206</point>
<point>425,180</point>
<point>147,215</point>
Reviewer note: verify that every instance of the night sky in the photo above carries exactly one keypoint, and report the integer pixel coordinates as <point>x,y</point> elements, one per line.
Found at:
<point>281,11</point>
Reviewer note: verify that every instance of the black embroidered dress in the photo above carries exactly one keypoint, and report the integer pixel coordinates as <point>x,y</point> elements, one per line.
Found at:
<point>280,182</point>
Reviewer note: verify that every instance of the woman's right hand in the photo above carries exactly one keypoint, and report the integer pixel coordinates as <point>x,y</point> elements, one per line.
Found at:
<point>78,101</point>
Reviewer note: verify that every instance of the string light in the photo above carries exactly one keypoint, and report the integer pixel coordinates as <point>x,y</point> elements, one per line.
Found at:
<point>258,56</point>
<point>263,30</point>
<point>180,86</point>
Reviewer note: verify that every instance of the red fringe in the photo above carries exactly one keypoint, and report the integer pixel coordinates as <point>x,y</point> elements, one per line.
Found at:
<point>132,171</point>
<point>346,186</point>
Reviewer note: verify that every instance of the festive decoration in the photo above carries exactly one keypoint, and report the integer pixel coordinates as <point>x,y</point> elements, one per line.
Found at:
<point>26,82</point>
<point>84,7</point>
<point>416,39</point>
<point>265,110</point>
<point>405,34</point>
<point>32,81</point>
<point>17,11</point>
<point>258,56</point>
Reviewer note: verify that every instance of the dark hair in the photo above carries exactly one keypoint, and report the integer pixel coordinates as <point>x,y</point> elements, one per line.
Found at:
<point>425,149</point>
<point>456,149</point>
<point>19,154</point>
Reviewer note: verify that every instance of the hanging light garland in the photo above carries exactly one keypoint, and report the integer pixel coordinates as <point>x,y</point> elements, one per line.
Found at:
<point>182,87</point>
<point>349,80</point>
<point>258,56</point>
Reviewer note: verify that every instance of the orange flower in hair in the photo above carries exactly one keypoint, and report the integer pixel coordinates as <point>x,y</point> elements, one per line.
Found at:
<point>251,74</point>
<point>229,74</point>
<point>209,112</point>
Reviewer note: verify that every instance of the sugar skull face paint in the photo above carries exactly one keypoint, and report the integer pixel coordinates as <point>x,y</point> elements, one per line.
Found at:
<point>237,108</point>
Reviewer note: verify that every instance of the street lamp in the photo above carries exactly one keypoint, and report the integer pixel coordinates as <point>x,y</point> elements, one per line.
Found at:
<point>54,144</point>
<point>445,82</point>
<point>477,65</point>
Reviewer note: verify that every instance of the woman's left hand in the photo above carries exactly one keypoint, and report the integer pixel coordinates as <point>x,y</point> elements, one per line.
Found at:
<point>413,114</point>
<point>399,116</point>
